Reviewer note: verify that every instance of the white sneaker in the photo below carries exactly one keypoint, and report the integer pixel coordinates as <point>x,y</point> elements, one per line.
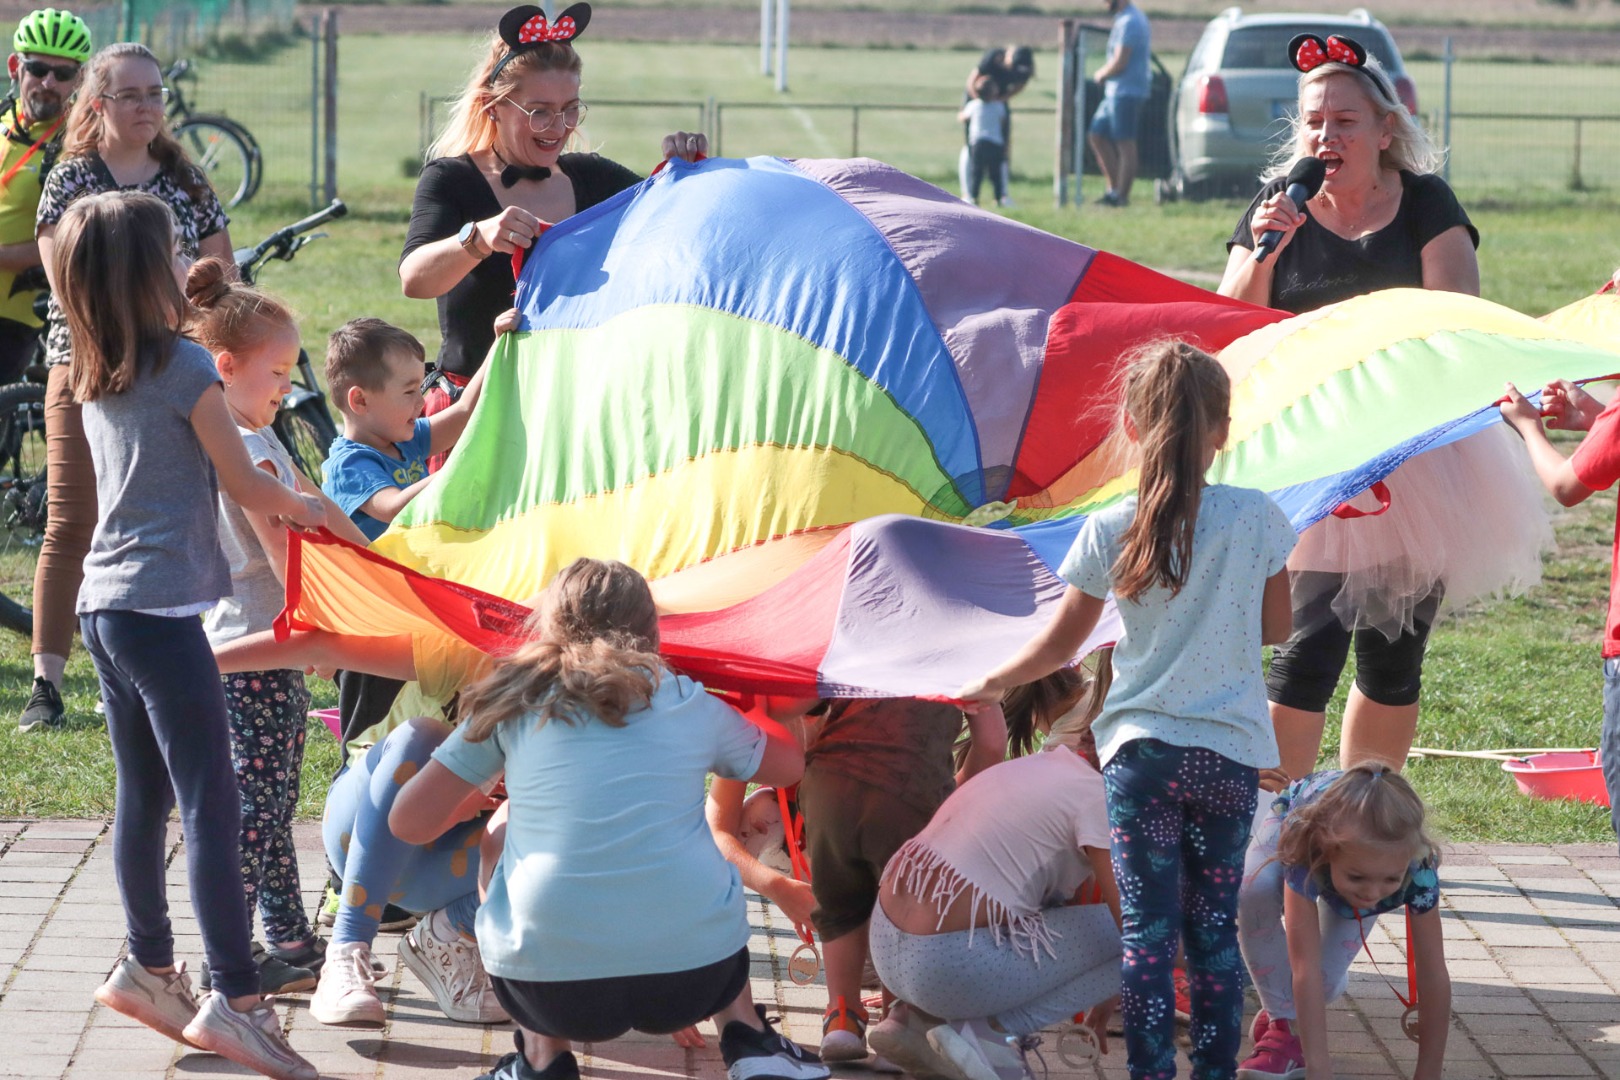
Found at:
<point>253,1038</point>
<point>453,972</point>
<point>902,1037</point>
<point>162,1002</point>
<point>347,992</point>
<point>981,1053</point>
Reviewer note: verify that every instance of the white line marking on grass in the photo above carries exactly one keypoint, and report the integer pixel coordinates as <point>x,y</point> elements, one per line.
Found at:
<point>822,144</point>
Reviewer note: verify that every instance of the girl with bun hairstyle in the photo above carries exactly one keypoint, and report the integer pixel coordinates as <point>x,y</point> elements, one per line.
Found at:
<point>254,342</point>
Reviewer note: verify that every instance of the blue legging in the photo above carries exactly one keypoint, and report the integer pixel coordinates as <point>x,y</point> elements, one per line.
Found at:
<point>377,867</point>
<point>1180,818</point>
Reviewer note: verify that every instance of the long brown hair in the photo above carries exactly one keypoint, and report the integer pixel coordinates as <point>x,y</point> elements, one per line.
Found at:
<point>114,270</point>
<point>228,316</point>
<point>1177,397</point>
<point>87,125</point>
<point>472,127</point>
<point>1368,804</point>
<point>592,653</point>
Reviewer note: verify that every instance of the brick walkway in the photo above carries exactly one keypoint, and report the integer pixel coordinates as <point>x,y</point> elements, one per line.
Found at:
<point>1533,934</point>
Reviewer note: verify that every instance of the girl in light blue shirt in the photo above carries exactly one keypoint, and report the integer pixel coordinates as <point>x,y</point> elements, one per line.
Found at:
<point>1198,574</point>
<point>609,908</point>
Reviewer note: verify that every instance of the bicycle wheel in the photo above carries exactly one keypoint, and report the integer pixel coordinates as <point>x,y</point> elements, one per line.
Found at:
<point>307,431</point>
<point>255,155</point>
<point>22,500</point>
<point>222,155</point>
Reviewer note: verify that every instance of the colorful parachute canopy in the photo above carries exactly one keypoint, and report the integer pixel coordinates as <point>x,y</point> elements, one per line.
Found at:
<point>848,426</point>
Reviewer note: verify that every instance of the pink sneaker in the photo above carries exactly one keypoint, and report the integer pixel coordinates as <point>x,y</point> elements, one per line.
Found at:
<point>1183,996</point>
<point>1257,1030</point>
<point>1277,1056</point>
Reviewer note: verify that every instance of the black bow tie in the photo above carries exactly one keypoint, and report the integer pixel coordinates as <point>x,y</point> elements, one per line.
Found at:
<point>513,173</point>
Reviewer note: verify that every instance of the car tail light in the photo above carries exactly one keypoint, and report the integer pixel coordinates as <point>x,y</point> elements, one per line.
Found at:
<point>1212,94</point>
<point>1407,92</point>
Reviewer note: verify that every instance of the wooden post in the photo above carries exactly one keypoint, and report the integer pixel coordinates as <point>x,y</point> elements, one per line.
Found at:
<point>329,27</point>
<point>315,113</point>
<point>1067,76</point>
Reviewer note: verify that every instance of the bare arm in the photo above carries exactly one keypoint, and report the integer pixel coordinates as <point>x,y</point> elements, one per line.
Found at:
<point>390,657</point>
<point>387,503</point>
<point>1102,869</point>
<point>1054,646</point>
<point>1116,64</point>
<point>434,269</point>
<point>448,424</point>
<point>219,246</point>
<point>1556,472</point>
<point>1450,264</point>
<point>1304,933</point>
<point>988,729</point>
<point>45,238</point>
<point>1434,994</point>
<point>15,258</point>
<point>253,490</point>
<point>336,520</point>
<point>783,762</point>
<point>431,802</point>
<point>271,535</point>
<point>1276,609</point>
<point>724,813</point>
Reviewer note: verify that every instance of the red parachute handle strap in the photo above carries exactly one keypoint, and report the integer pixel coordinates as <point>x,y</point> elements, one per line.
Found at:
<point>1607,286</point>
<point>658,168</point>
<point>1380,492</point>
<point>518,253</point>
<point>793,839</point>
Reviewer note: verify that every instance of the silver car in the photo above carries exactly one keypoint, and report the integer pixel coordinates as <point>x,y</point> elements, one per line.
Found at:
<point>1230,111</point>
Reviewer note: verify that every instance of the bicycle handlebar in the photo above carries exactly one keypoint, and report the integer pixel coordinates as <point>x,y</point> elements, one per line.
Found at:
<point>281,241</point>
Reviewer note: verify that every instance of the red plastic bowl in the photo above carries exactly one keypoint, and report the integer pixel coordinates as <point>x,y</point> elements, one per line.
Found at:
<point>1569,775</point>
<point>330,718</point>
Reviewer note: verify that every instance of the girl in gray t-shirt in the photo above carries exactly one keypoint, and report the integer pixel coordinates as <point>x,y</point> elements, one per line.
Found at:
<point>162,442</point>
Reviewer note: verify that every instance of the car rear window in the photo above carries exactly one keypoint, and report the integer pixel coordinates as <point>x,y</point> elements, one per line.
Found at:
<point>1267,46</point>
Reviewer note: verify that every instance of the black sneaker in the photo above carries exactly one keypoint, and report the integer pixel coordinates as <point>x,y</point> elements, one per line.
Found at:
<point>44,708</point>
<point>276,976</point>
<point>396,920</point>
<point>516,1067</point>
<point>766,1055</point>
<point>311,955</point>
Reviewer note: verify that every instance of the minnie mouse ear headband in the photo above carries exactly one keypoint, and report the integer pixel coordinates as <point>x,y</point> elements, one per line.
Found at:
<point>1308,52</point>
<point>525,29</point>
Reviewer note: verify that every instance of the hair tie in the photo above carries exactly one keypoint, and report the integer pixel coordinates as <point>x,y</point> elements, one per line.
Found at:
<point>1307,52</point>
<point>525,29</point>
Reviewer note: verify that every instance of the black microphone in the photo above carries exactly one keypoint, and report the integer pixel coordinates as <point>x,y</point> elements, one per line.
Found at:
<point>1304,181</point>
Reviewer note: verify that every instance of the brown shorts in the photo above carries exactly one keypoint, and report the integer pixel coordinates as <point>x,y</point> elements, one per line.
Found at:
<point>850,831</point>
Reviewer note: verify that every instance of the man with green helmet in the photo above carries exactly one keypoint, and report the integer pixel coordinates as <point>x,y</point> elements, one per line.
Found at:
<point>48,52</point>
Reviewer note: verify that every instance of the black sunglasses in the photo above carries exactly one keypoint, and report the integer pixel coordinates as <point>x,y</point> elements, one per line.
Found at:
<point>39,69</point>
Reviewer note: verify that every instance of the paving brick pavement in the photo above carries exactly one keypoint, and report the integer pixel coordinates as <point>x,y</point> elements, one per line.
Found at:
<point>1533,933</point>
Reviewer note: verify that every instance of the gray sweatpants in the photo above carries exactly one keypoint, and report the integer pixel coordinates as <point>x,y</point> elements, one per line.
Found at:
<point>942,974</point>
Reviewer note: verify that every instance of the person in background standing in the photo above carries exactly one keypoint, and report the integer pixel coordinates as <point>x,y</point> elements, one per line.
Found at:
<point>1005,72</point>
<point>1126,80</point>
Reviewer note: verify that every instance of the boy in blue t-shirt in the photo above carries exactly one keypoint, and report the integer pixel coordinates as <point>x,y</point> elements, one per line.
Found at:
<point>379,464</point>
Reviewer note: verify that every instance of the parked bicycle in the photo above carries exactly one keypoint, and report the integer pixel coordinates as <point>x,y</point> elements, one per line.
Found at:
<point>303,424</point>
<point>225,150</point>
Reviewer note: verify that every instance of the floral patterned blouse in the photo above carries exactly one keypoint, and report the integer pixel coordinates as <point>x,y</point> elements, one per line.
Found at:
<point>73,178</point>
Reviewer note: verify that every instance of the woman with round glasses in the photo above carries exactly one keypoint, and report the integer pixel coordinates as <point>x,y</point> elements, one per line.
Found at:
<point>499,173</point>
<point>116,138</point>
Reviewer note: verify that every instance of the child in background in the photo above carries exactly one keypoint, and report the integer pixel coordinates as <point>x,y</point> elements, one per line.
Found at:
<point>158,429</point>
<point>1595,466</point>
<point>1198,574</point>
<point>609,908</point>
<point>379,464</point>
<point>1332,853</point>
<point>254,339</point>
<point>986,117</point>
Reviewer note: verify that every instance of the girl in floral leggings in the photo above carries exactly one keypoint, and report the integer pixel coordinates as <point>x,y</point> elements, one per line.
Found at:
<point>1198,574</point>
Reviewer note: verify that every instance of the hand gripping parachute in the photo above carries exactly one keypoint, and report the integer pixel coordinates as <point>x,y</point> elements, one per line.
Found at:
<point>848,426</point>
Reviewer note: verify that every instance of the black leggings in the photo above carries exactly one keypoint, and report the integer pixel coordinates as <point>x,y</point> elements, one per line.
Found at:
<point>1305,669</point>
<point>596,1010</point>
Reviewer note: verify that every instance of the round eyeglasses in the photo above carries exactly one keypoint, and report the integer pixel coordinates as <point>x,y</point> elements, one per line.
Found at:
<point>542,119</point>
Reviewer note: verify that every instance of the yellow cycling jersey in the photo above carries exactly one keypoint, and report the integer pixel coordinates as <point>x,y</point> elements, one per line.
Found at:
<point>23,152</point>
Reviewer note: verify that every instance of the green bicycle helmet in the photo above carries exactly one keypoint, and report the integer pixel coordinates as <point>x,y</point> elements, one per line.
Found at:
<point>49,32</point>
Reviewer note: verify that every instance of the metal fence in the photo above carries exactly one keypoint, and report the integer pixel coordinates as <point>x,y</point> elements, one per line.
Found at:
<point>175,27</point>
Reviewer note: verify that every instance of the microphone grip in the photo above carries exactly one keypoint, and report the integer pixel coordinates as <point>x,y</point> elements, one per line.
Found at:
<point>1299,195</point>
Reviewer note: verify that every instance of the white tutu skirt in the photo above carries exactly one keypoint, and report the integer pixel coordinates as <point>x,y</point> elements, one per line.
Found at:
<point>1465,520</point>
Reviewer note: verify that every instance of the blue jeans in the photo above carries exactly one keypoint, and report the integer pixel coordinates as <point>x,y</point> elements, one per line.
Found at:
<point>171,744</point>
<point>1180,819</point>
<point>1609,740</point>
<point>376,866</point>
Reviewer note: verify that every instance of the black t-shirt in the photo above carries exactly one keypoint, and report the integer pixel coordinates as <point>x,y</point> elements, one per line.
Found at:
<point>452,192</point>
<point>1008,77</point>
<point>1319,267</point>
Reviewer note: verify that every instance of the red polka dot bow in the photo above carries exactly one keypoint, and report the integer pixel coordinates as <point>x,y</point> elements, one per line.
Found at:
<point>525,28</point>
<point>1307,51</point>
<point>536,30</point>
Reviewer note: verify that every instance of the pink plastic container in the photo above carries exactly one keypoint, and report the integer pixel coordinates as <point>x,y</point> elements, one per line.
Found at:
<point>330,718</point>
<point>1570,775</point>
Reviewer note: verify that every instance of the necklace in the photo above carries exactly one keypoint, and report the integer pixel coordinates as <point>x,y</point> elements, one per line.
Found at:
<point>1369,206</point>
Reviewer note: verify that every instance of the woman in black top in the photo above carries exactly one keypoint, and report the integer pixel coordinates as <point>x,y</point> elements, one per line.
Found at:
<point>498,174</point>
<point>1381,220</point>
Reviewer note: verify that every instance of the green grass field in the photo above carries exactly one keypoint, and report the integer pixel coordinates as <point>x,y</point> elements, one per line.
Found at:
<point>1516,672</point>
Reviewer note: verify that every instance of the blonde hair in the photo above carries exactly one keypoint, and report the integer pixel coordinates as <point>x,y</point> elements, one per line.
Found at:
<point>228,316</point>
<point>1410,148</point>
<point>592,654</point>
<point>1177,396</point>
<point>472,123</point>
<point>87,125</point>
<point>1064,704</point>
<point>114,269</point>
<point>1368,803</point>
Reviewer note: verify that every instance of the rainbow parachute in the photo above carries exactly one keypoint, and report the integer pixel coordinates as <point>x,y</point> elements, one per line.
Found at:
<point>848,426</point>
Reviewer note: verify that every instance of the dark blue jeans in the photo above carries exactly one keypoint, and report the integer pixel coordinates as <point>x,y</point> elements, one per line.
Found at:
<point>1180,818</point>
<point>171,744</point>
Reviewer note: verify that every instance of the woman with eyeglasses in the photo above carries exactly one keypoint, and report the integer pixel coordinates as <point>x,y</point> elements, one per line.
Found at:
<point>117,139</point>
<point>499,174</point>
